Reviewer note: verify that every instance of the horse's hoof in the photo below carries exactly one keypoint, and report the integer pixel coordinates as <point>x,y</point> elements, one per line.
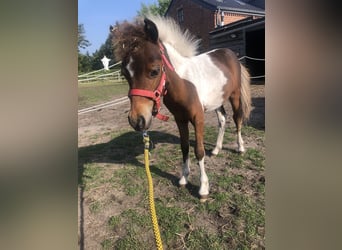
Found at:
<point>241,150</point>
<point>203,198</point>
<point>214,152</point>
<point>182,185</point>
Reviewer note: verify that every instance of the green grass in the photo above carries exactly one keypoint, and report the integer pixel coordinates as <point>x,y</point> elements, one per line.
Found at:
<point>90,94</point>
<point>107,244</point>
<point>172,220</point>
<point>91,175</point>
<point>125,178</point>
<point>235,208</point>
<point>114,221</point>
<point>202,239</point>
<point>95,207</point>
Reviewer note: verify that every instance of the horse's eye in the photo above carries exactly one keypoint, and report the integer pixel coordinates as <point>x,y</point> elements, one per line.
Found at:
<point>154,72</point>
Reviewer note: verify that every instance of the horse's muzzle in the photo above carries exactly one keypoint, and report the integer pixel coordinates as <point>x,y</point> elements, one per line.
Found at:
<point>139,124</point>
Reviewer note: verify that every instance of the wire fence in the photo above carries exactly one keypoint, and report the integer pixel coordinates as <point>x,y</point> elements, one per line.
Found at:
<point>254,59</point>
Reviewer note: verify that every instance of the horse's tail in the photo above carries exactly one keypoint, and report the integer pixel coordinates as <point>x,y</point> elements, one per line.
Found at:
<point>245,92</point>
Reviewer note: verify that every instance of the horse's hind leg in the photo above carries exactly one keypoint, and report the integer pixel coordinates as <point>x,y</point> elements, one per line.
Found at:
<point>221,117</point>
<point>238,118</point>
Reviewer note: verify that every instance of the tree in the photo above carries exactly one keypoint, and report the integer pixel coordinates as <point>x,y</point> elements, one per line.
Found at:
<point>105,49</point>
<point>155,8</point>
<point>82,41</point>
<point>84,61</point>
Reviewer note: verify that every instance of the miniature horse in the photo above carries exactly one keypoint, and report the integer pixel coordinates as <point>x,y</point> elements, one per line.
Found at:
<point>159,60</point>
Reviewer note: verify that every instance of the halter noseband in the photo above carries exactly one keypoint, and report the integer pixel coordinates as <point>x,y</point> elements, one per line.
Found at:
<point>159,91</point>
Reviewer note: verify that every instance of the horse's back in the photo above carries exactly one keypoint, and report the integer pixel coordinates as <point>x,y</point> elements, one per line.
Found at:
<point>211,72</point>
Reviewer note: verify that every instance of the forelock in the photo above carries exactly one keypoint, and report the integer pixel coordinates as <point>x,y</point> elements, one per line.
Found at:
<point>127,38</point>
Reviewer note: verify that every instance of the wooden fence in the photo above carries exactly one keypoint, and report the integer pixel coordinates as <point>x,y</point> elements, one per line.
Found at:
<point>111,75</point>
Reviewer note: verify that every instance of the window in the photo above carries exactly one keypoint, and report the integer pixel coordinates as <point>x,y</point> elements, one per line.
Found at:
<point>180,15</point>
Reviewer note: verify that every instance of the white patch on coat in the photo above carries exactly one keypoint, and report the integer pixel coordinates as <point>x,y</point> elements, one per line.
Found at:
<point>204,74</point>
<point>129,67</point>
<point>222,122</point>
<point>185,173</point>
<point>204,188</point>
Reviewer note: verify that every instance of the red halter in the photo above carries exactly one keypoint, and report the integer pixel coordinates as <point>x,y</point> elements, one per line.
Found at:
<point>159,91</point>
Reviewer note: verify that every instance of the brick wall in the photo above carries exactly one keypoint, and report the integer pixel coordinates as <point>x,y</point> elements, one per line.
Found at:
<point>198,19</point>
<point>232,17</point>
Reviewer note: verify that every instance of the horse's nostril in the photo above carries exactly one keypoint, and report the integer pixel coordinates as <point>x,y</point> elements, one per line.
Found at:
<point>141,123</point>
<point>138,124</point>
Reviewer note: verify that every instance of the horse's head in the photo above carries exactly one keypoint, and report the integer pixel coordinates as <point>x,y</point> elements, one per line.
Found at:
<point>138,48</point>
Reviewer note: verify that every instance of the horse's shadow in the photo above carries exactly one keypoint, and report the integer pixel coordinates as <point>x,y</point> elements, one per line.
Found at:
<point>257,117</point>
<point>125,149</point>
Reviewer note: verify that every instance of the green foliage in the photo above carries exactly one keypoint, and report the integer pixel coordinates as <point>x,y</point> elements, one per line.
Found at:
<point>84,63</point>
<point>87,63</point>
<point>105,49</point>
<point>159,8</point>
<point>82,42</point>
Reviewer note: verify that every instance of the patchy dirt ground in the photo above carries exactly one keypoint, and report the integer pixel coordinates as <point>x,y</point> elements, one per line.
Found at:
<point>97,127</point>
<point>112,118</point>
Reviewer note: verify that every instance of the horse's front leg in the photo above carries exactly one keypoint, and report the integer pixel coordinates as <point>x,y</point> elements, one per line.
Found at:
<point>200,154</point>
<point>184,136</point>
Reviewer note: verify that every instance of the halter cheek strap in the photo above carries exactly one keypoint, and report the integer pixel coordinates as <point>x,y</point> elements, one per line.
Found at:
<point>159,91</point>
<point>154,95</point>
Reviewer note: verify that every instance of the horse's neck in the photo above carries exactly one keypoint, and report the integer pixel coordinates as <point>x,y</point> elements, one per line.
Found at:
<point>178,88</point>
<point>175,57</point>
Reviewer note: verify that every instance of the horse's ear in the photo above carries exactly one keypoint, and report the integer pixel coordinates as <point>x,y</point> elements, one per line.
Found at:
<point>151,30</point>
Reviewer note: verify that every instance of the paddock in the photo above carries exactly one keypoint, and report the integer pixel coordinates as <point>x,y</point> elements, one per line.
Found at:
<point>113,206</point>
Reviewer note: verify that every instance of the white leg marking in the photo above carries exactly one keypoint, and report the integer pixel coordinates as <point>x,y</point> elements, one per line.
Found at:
<point>240,142</point>
<point>129,67</point>
<point>222,121</point>
<point>204,189</point>
<point>185,173</point>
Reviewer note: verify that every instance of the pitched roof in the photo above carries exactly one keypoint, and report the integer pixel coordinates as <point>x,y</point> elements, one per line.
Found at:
<point>245,6</point>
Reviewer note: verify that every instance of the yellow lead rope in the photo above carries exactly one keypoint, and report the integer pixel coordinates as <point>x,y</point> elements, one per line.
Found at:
<point>151,196</point>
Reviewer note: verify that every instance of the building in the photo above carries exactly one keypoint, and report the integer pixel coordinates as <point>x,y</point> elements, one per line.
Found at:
<point>235,24</point>
<point>246,38</point>
<point>203,16</point>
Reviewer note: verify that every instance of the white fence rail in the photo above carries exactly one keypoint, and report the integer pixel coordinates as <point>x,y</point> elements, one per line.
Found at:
<point>103,75</point>
<point>103,105</point>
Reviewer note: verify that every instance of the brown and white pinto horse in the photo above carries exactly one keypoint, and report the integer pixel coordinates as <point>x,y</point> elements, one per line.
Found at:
<point>158,60</point>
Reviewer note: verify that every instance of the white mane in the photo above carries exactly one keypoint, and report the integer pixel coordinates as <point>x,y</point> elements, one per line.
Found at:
<point>169,32</point>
